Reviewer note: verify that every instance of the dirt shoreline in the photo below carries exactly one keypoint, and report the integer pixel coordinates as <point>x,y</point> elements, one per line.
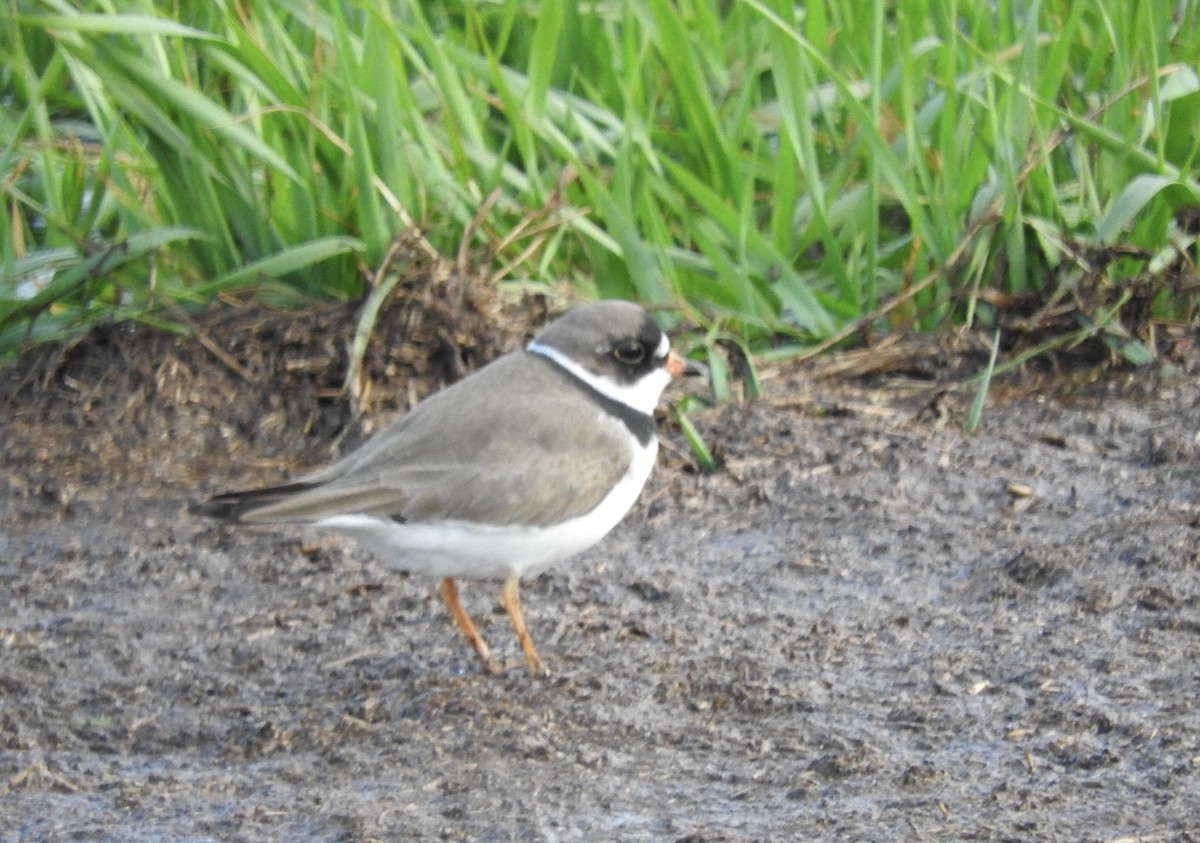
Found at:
<point>867,626</point>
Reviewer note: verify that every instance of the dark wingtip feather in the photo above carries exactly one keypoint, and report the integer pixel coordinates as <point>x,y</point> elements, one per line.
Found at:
<point>232,507</point>
<point>222,508</point>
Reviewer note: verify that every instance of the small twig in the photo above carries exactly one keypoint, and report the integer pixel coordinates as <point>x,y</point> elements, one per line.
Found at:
<point>209,343</point>
<point>476,223</point>
<point>38,773</point>
<point>351,659</point>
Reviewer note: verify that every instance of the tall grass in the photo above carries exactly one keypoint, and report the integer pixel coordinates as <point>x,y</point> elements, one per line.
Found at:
<point>779,170</point>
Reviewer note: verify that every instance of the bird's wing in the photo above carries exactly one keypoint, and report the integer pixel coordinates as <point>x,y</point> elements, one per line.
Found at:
<point>528,463</point>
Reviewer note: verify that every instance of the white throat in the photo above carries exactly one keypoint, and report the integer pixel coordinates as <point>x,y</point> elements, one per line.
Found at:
<point>641,395</point>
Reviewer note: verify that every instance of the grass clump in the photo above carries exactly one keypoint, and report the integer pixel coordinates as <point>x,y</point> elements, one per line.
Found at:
<point>786,174</point>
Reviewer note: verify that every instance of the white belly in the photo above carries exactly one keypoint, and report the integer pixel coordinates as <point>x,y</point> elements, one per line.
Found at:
<point>489,551</point>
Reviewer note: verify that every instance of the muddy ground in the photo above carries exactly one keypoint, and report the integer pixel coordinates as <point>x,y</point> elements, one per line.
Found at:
<point>866,626</point>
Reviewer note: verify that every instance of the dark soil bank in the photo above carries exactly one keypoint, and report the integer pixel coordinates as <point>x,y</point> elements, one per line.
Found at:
<point>868,626</point>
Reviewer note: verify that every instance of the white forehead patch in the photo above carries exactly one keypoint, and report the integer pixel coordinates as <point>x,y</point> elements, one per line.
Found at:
<point>664,346</point>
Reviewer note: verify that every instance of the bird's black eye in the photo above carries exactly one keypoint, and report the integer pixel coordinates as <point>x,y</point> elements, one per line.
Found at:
<point>630,353</point>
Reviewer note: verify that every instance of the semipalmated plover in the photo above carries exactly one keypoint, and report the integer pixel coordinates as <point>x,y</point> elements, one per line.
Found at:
<point>526,462</point>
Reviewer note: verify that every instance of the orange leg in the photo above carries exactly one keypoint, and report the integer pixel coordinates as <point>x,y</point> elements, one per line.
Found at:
<point>462,620</point>
<point>511,601</point>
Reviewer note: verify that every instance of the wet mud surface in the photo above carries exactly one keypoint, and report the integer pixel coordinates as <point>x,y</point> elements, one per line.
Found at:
<point>867,626</point>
